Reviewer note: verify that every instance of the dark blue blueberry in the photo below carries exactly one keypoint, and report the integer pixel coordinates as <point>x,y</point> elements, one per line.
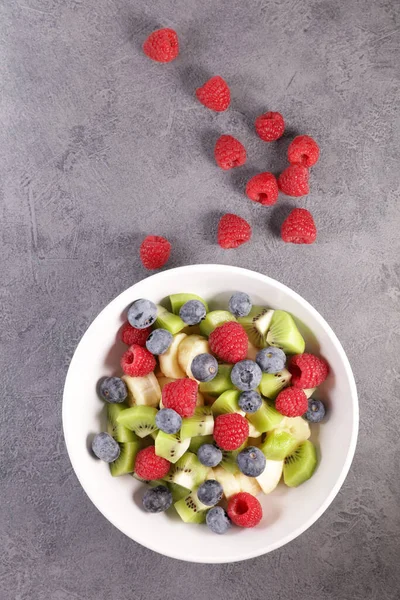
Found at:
<point>250,401</point>
<point>204,367</point>
<point>192,312</point>
<point>159,341</point>
<point>113,389</point>
<point>218,520</point>
<point>316,411</point>
<point>142,313</point>
<point>251,461</point>
<point>240,304</point>
<point>105,447</point>
<point>168,420</point>
<point>271,360</point>
<point>246,375</point>
<point>157,499</point>
<point>209,455</point>
<point>210,492</point>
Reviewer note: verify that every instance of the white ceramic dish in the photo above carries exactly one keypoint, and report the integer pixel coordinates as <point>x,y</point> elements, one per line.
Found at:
<point>287,512</point>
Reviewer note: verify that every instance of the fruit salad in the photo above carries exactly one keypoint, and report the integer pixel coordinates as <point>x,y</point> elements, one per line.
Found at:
<point>212,409</point>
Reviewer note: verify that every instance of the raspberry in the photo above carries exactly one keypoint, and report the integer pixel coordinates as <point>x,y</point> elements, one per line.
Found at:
<point>229,342</point>
<point>303,151</point>
<point>270,126</point>
<point>149,466</point>
<point>307,370</point>
<point>299,227</point>
<point>245,510</point>
<point>231,430</point>
<point>229,152</point>
<point>233,231</point>
<point>181,396</point>
<point>291,402</point>
<point>137,361</point>
<point>130,335</point>
<point>215,94</point>
<point>294,181</point>
<point>154,251</point>
<point>263,188</point>
<point>162,45</point>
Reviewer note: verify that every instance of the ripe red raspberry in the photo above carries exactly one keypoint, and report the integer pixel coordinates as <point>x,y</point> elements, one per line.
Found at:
<point>162,45</point>
<point>130,335</point>
<point>307,370</point>
<point>181,395</point>
<point>149,466</point>
<point>137,361</point>
<point>299,227</point>
<point>231,430</point>
<point>303,151</point>
<point>245,510</point>
<point>263,188</point>
<point>229,342</point>
<point>233,231</point>
<point>270,126</point>
<point>215,94</point>
<point>291,402</point>
<point>154,251</point>
<point>229,152</point>
<point>294,181</point>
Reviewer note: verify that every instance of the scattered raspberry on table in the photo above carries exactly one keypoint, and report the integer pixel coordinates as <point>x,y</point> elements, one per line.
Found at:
<point>215,94</point>
<point>154,252</point>
<point>303,150</point>
<point>233,231</point>
<point>299,227</point>
<point>294,181</point>
<point>270,126</point>
<point>229,153</point>
<point>162,45</point>
<point>263,188</point>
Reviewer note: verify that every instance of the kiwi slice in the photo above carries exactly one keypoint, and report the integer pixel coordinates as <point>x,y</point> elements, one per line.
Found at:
<point>169,321</point>
<point>199,440</point>
<point>170,446</point>
<point>201,423</point>
<point>118,431</point>
<point>228,461</point>
<point>140,419</point>
<point>220,383</point>
<point>125,463</point>
<point>256,325</point>
<point>178,300</point>
<point>266,418</point>
<point>213,319</point>
<point>228,402</point>
<point>278,445</point>
<point>190,509</point>
<point>272,384</point>
<point>178,492</point>
<point>283,333</point>
<point>300,465</point>
<point>187,472</point>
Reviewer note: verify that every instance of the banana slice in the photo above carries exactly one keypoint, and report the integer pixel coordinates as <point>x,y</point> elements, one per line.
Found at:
<point>253,432</point>
<point>200,399</point>
<point>229,483</point>
<point>190,347</point>
<point>297,427</point>
<point>248,484</point>
<point>270,477</point>
<point>309,392</point>
<point>143,391</point>
<point>169,364</point>
<point>251,351</point>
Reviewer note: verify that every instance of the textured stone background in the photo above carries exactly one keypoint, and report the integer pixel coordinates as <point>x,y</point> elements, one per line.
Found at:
<point>100,146</point>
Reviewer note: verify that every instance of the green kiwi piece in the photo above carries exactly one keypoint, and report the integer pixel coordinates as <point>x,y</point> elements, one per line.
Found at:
<point>266,418</point>
<point>228,402</point>
<point>201,423</point>
<point>300,465</point>
<point>199,440</point>
<point>214,319</point>
<point>140,419</point>
<point>278,445</point>
<point>118,431</point>
<point>169,321</point>
<point>190,509</point>
<point>178,300</point>
<point>170,446</point>
<point>256,325</point>
<point>178,492</point>
<point>228,461</point>
<point>272,384</point>
<point>283,333</point>
<point>187,472</point>
<point>125,463</point>
<point>220,383</point>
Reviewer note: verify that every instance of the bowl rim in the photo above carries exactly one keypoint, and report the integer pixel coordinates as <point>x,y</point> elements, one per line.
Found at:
<point>354,397</point>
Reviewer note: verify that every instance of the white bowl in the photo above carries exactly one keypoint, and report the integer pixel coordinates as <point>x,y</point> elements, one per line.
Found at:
<point>287,512</point>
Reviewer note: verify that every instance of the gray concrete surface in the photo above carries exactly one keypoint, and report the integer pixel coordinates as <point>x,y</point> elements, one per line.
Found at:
<point>100,146</point>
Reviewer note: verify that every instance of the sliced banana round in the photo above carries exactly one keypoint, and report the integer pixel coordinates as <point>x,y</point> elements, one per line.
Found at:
<point>191,346</point>
<point>270,477</point>
<point>169,364</point>
<point>143,391</point>
<point>248,484</point>
<point>229,483</point>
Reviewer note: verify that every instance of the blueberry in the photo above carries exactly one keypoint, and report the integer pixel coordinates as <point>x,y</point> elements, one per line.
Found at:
<point>204,367</point>
<point>210,492</point>
<point>105,447</point>
<point>240,304</point>
<point>218,520</point>
<point>316,411</point>
<point>250,401</point>
<point>251,461</point>
<point>246,375</point>
<point>168,420</point>
<point>113,389</point>
<point>159,341</point>
<point>157,499</point>
<point>271,360</point>
<point>192,312</point>
<point>142,313</point>
<point>209,455</point>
